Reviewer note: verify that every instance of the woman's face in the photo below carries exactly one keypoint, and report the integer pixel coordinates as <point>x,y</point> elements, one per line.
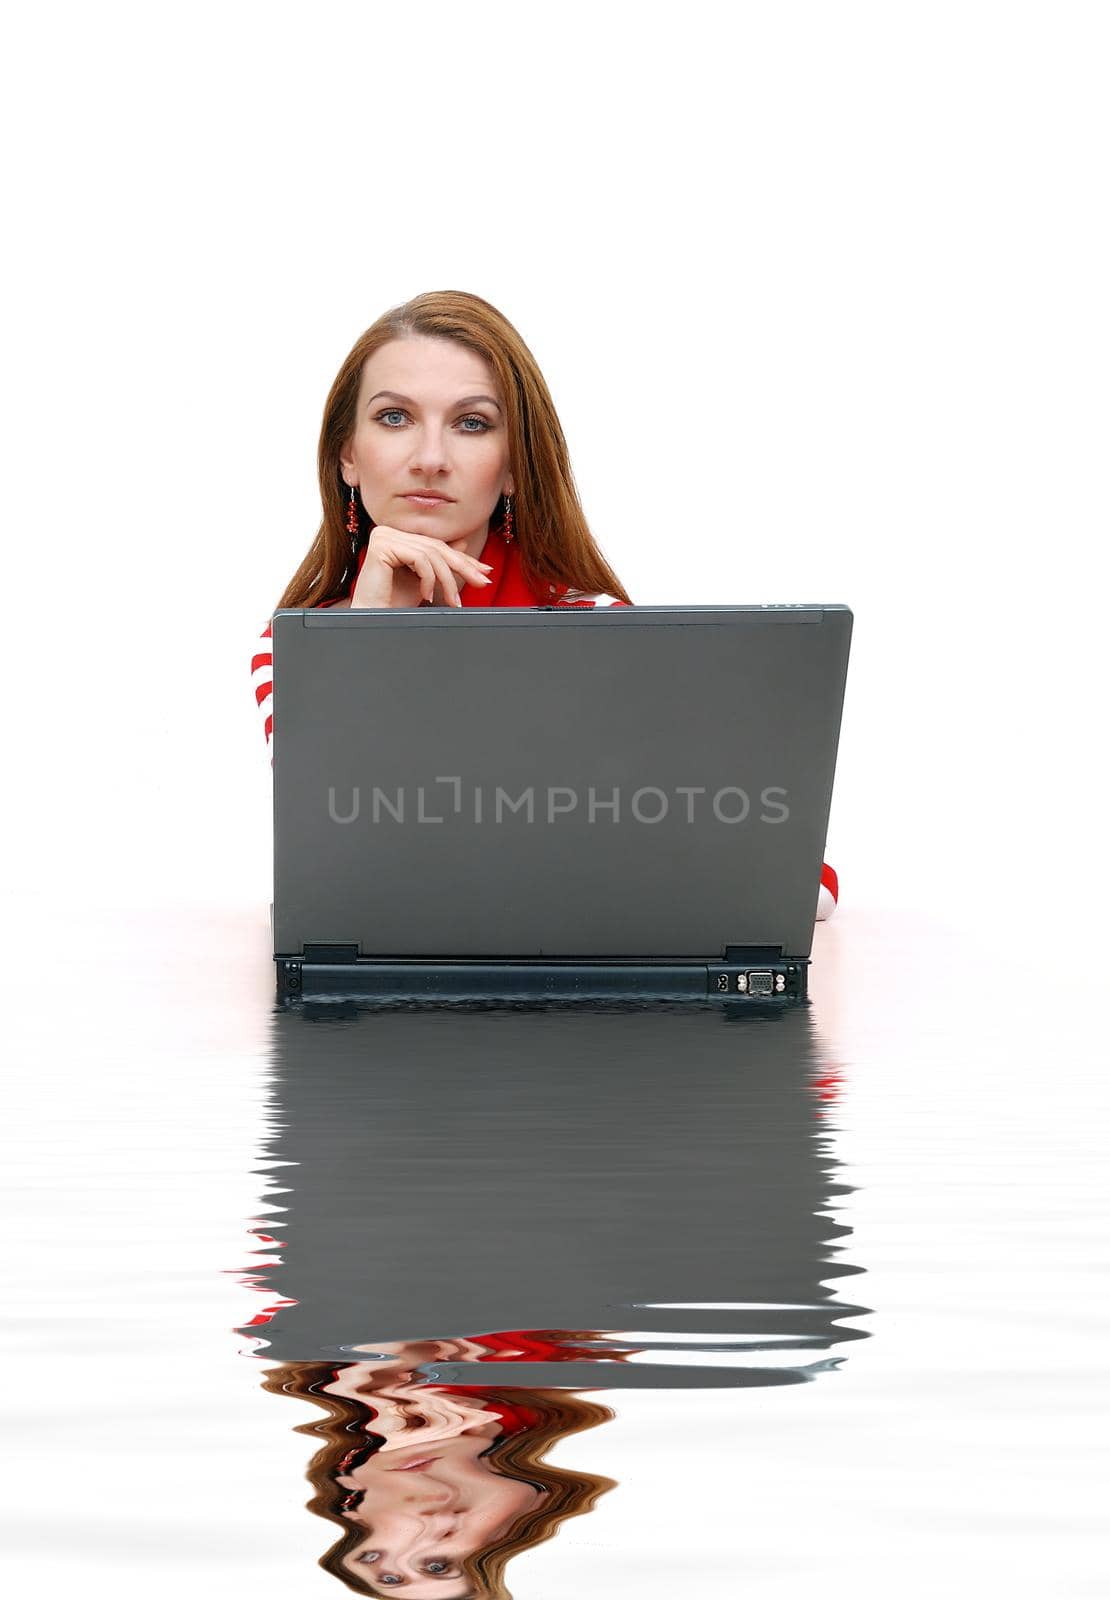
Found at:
<point>430,417</point>
<point>426,1507</point>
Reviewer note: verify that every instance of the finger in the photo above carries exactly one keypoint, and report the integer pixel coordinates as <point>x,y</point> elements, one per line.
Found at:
<point>469,566</point>
<point>446,580</point>
<point>483,566</point>
<point>433,569</point>
<point>435,557</point>
<point>396,548</point>
<point>422,566</point>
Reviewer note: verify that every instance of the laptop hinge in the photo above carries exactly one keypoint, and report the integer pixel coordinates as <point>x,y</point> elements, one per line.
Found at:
<point>745,954</point>
<point>331,954</point>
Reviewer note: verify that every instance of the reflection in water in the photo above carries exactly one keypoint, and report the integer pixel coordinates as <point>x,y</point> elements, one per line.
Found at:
<point>655,1179</point>
<point>436,1487</point>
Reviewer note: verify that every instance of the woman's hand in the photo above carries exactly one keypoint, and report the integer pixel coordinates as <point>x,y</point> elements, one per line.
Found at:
<point>403,569</point>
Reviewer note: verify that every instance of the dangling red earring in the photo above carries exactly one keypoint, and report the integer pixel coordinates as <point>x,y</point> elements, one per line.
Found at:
<point>352,520</point>
<point>507,524</point>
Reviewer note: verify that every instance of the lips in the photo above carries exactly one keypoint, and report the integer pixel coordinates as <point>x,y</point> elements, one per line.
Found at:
<point>428,499</point>
<point>416,1466</point>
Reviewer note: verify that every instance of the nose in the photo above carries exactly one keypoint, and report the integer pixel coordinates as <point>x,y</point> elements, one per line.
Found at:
<point>429,452</point>
<point>434,1496</point>
<point>432,1501</point>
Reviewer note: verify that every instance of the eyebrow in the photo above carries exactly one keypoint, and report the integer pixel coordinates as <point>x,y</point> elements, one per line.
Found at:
<point>467,400</point>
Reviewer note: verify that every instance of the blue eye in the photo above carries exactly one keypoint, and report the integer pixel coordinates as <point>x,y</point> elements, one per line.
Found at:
<point>395,411</point>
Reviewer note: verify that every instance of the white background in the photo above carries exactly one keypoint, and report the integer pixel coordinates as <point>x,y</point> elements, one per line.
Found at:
<point>820,293</point>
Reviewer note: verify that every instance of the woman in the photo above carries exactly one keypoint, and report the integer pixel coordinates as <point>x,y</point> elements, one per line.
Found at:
<point>436,1487</point>
<point>445,480</point>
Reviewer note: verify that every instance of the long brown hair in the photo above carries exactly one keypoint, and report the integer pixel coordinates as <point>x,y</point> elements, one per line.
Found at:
<point>554,540</point>
<point>517,1455</point>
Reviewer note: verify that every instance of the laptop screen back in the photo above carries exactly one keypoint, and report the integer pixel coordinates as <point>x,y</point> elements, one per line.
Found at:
<point>646,783</point>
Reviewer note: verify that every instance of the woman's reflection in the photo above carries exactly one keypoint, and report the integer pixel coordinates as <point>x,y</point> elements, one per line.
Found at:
<point>660,1178</point>
<point>437,1487</point>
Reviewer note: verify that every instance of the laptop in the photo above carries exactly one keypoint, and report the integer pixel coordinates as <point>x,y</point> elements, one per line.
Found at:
<point>513,803</point>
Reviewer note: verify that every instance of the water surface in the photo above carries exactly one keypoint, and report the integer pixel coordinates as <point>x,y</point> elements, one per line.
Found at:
<point>595,1300</point>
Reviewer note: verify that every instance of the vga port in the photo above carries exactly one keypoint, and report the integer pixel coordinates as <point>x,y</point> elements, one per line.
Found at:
<point>760,983</point>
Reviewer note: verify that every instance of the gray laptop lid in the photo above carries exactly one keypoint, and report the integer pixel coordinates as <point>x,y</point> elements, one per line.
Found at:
<point>651,782</point>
